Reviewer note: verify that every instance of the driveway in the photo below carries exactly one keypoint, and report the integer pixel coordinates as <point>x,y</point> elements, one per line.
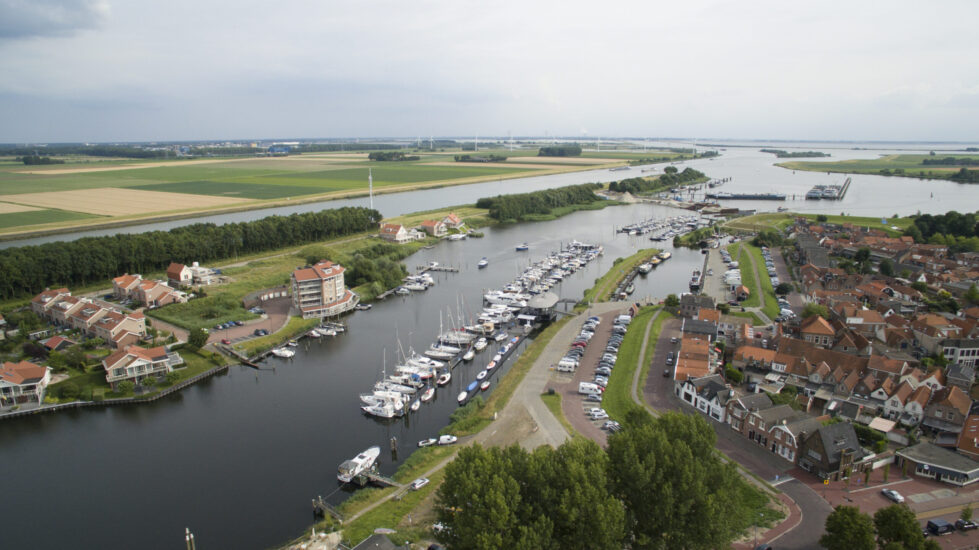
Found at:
<point>276,317</point>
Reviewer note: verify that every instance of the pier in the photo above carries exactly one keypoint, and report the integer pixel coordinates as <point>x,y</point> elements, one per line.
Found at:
<point>430,268</point>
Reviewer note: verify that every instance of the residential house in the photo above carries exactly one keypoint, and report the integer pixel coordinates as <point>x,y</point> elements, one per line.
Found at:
<point>914,407</point>
<point>453,221</point>
<point>817,331</point>
<point>948,410</point>
<point>759,423</point>
<point>135,363</point>
<point>23,382</point>
<point>43,302</point>
<point>60,313</point>
<point>832,452</point>
<point>179,275</point>
<point>708,395</point>
<point>741,293</point>
<point>961,376</point>
<point>154,294</point>
<point>691,304</point>
<point>57,343</point>
<point>894,404</point>
<point>124,286</point>
<point>84,317</point>
<point>786,437</point>
<point>734,330</point>
<point>118,329</point>
<point>753,357</point>
<point>319,290</point>
<point>931,461</point>
<point>394,232</point>
<point>968,442</point>
<point>961,351</point>
<point>701,329</point>
<point>739,408</point>
<point>434,228</point>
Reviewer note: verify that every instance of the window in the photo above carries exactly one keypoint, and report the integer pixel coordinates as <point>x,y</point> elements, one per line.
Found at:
<point>814,455</point>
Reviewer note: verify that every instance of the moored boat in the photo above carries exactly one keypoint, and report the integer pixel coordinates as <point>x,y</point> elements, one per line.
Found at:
<point>428,442</point>
<point>665,255</point>
<point>469,355</point>
<point>444,379</point>
<point>491,365</point>
<point>522,247</point>
<point>482,263</point>
<point>462,396</point>
<point>480,344</point>
<point>284,353</point>
<point>485,385</point>
<point>415,405</point>
<point>428,394</point>
<point>361,463</point>
<point>482,374</point>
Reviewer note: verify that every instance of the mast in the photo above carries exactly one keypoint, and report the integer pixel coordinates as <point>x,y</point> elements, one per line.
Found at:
<point>370,186</point>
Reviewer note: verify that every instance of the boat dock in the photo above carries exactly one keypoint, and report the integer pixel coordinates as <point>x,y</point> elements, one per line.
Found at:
<point>429,268</point>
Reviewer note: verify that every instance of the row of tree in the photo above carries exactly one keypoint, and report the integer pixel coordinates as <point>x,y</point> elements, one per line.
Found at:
<point>29,269</point>
<point>516,207</point>
<point>390,156</point>
<point>124,151</point>
<point>480,158</point>
<point>951,161</point>
<point>892,528</point>
<point>949,223</point>
<point>560,151</point>
<point>966,176</point>
<point>658,485</point>
<point>36,160</point>
<point>670,178</point>
<point>782,154</point>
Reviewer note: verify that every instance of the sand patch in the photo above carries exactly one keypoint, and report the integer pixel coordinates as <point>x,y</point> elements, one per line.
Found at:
<point>8,208</point>
<point>111,201</point>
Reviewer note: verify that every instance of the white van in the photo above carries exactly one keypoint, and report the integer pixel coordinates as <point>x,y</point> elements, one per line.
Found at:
<point>588,388</point>
<point>567,362</point>
<point>565,368</point>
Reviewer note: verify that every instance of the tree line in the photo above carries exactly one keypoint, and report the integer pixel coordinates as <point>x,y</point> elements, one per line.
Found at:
<point>560,151</point>
<point>124,151</point>
<point>516,207</point>
<point>951,161</point>
<point>782,154</point>
<point>27,270</point>
<point>658,485</point>
<point>894,527</point>
<point>480,158</point>
<point>670,178</point>
<point>36,160</point>
<point>390,156</point>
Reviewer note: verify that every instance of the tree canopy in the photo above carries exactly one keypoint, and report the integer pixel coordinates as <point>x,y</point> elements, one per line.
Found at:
<point>516,207</point>
<point>847,528</point>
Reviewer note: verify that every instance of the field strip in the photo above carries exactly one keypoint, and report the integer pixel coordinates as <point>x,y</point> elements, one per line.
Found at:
<point>565,160</point>
<point>63,171</point>
<point>9,208</point>
<point>507,164</point>
<point>111,201</point>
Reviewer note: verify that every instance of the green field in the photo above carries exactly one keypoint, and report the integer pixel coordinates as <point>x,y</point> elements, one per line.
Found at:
<point>386,173</point>
<point>37,217</point>
<point>770,308</point>
<point>231,189</point>
<point>897,165</point>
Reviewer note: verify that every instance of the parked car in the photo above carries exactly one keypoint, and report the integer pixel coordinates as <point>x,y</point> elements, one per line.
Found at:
<point>893,495</point>
<point>965,525</point>
<point>939,527</point>
<point>225,341</point>
<point>594,397</point>
<point>419,483</point>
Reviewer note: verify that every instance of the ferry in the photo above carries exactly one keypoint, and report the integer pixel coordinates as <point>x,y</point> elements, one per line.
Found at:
<point>361,463</point>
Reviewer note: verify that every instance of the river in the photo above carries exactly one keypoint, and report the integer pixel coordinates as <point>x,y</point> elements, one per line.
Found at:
<point>238,457</point>
<point>751,170</point>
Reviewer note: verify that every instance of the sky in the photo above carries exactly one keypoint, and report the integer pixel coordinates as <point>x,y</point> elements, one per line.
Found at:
<point>114,70</point>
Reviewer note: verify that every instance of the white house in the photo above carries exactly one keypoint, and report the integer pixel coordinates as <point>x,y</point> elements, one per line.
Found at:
<point>394,232</point>
<point>894,404</point>
<point>135,363</point>
<point>707,394</point>
<point>23,382</point>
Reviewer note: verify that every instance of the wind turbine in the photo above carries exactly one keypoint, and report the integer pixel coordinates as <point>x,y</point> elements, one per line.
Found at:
<point>370,186</point>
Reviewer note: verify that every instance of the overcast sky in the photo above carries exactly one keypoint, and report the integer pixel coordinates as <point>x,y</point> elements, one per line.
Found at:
<point>113,70</point>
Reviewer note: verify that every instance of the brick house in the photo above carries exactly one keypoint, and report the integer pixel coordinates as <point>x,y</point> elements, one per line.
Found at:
<point>43,302</point>
<point>124,286</point>
<point>179,275</point>
<point>320,291</point>
<point>816,330</point>
<point>739,408</point>
<point>786,437</point>
<point>434,228</point>
<point>119,330</point>
<point>831,452</point>
<point>948,410</point>
<point>453,221</point>
<point>708,394</point>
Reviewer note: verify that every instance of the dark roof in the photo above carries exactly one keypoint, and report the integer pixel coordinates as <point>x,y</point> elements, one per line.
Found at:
<point>926,453</point>
<point>694,326</point>
<point>756,401</point>
<point>709,386</point>
<point>967,343</point>
<point>775,415</point>
<point>838,437</point>
<point>963,372</point>
<point>699,300</point>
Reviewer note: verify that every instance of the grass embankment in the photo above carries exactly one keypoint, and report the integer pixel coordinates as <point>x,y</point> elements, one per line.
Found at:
<point>761,222</point>
<point>770,309</point>
<point>864,221</point>
<point>755,319</point>
<point>295,327</point>
<point>891,165</point>
<point>605,284</point>
<point>91,383</point>
<point>747,275</point>
<point>617,399</point>
<point>553,403</point>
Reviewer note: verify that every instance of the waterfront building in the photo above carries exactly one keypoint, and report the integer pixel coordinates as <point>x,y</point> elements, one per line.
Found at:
<point>23,382</point>
<point>319,290</point>
<point>135,363</point>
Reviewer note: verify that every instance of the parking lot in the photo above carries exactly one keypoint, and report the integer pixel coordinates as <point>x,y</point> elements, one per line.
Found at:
<point>276,316</point>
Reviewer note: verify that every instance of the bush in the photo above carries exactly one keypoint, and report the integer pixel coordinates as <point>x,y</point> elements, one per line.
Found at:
<point>172,377</point>
<point>822,218</point>
<point>783,289</point>
<point>68,390</point>
<point>148,382</point>
<point>733,375</point>
<point>125,387</point>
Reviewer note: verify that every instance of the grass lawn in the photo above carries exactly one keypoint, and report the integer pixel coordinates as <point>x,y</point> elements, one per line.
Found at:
<point>898,165</point>
<point>606,283</point>
<point>617,399</point>
<point>747,275</point>
<point>214,309</point>
<point>553,403</point>
<point>386,174</point>
<point>770,308</point>
<point>761,222</point>
<point>37,217</point>
<point>474,217</point>
<point>295,326</point>
<point>755,319</point>
<point>874,223</point>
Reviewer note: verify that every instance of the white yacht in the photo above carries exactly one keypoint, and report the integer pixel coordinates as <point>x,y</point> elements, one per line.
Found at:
<point>361,463</point>
<point>284,353</point>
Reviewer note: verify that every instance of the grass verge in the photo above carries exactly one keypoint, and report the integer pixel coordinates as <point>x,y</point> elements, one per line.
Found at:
<point>617,399</point>
<point>747,275</point>
<point>770,309</point>
<point>605,284</point>
<point>553,403</point>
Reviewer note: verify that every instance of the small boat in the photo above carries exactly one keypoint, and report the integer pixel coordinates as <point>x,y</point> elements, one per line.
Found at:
<point>482,374</point>
<point>472,386</point>
<point>361,463</point>
<point>497,358</point>
<point>482,263</point>
<point>429,394</point>
<point>491,365</point>
<point>469,355</point>
<point>645,268</point>
<point>363,307</point>
<point>630,289</point>
<point>523,247</point>
<point>402,291</point>
<point>500,336</point>
<point>415,405</point>
<point>462,396</point>
<point>428,442</point>
<point>447,439</point>
<point>314,333</point>
<point>444,379</point>
<point>665,255</point>
<point>485,385</point>
<point>480,344</point>
<point>292,344</point>
<point>283,353</point>
<point>329,332</point>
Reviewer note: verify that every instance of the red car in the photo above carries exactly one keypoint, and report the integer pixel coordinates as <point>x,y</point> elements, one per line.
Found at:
<point>225,341</point>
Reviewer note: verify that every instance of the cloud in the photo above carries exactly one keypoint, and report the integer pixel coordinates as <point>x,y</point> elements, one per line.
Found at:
<point>37,18</point>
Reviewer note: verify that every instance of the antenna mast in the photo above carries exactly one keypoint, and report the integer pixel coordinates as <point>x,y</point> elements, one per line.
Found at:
<point>370,186</point>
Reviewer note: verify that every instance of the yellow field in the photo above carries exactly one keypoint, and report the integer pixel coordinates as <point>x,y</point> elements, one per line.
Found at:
<point>109,201</point>
<point>8,208</point>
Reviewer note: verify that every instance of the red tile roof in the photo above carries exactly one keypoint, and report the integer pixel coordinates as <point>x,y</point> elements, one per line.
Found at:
<point>815,324</point>
<point>23,372</point>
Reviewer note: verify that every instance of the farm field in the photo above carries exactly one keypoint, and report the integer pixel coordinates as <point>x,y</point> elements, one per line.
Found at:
<point>39,217</point>
<point>899,165</point>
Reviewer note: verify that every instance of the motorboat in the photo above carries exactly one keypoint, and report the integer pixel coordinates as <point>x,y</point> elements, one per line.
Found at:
<point>363,307</point>
<point>444,379</point>
<point>497,357</point>
<point>645,268</point>
<point>447,439</point>
<point>349,469</point>
<point>482,374</point>
<point>428,442</point>
<point>469,355</point>
<point>491,365</point>
<point>284,353</point>
<point>329,332</point>
<point>402,291</point>
<point>485,385</point>
<point>428,394</point>
<point>415,405</point>
<point>665,255</point>
<point>472,386</point>
<point>292,344</point>
<point>500,336</point>
<point>415,286</point>
<point>482,263</point>
<point>523,247</point>
<point>314,333</point>
<point>480,344</point>
<point>462,396</point>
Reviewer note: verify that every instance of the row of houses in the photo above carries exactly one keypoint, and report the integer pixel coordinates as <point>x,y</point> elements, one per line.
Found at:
<point>398,233</point>
<point>94,319</point>
<point>149,293</point>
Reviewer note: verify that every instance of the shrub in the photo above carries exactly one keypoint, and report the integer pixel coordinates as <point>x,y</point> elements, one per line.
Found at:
<point>125,387</point>
<point>68,391</point>
<point>734,375</point>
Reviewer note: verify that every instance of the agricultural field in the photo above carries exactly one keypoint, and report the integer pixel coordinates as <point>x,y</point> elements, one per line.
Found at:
<point>898,165</point>
<point>89,193</point>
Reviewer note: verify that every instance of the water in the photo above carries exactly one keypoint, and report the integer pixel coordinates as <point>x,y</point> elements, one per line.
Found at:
<point>752,170</point>
<point>238,458</point>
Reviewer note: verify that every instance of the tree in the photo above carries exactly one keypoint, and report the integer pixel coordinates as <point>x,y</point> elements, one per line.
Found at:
<point>68,390</point>
<point>125,387</point>
<point>886,267</point>
<point>75,357</point>
<point>821,218</point>
<point>668,476</point>
<point>197,338</point>
<point>670,170</point>
<point>783,289</point>
<point>966,514</point>
<point>862,255</point>
<point>671,301</point>
<point>733,375</point>
<point>847,528</point>
<point>172,377</point>
<point>972,295</point>
<point>148,382</point>
<point>813,308</point>
<point>897,524</point>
